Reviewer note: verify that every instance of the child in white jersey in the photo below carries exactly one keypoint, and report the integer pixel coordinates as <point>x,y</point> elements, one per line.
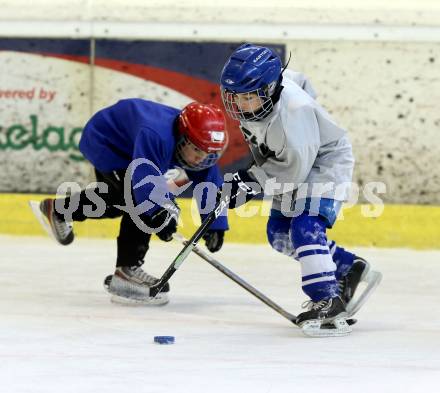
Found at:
<point>304,159</point>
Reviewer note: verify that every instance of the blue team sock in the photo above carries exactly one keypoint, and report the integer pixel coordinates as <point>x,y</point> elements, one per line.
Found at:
<point>343,259</point>
<point>311,250</point>
<point>318,271</point>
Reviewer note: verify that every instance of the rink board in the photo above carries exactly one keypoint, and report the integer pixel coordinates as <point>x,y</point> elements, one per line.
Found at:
<point>412,226</point>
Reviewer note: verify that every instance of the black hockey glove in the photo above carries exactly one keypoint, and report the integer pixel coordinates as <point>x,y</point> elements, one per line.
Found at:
<point>240,186</point>
<point>214,239</point>
<point>167,217</point>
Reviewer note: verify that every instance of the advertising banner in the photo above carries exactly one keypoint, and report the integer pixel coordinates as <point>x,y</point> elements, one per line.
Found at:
<point>49,88</point>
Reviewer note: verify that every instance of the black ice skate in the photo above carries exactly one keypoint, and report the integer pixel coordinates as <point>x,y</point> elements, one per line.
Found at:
<point>348,285</point>
<point>324,318</point>
<point>56,227</point>
<point>131,285</point>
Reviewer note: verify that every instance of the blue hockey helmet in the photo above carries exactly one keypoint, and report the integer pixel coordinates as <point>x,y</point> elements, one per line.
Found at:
<point>252,74</point>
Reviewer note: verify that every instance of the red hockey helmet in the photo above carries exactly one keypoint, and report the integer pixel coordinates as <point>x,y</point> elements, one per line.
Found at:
<point>201,128</point>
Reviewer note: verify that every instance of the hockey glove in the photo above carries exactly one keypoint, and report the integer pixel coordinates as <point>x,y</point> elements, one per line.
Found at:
<point>165,218</point>
<point>214,239</point>
<point>240,186</point>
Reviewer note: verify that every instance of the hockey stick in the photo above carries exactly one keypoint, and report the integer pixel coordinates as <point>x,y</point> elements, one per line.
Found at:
<point>238,280</point>
<point>245,285</point>
<point>189,245</point>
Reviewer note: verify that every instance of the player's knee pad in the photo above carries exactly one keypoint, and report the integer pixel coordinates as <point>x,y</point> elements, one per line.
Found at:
<point>325,208</point>
<point>308,230</point>
<point>278,229</point>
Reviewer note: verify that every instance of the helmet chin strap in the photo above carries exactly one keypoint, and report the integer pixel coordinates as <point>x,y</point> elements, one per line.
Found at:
<point>275,97</point>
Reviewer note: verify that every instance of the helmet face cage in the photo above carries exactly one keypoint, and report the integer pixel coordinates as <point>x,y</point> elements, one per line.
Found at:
<point>233,103</point>
<point>210,160</point>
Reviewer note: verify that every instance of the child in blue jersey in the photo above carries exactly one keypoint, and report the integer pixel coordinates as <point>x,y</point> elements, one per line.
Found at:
<point>142,140</point>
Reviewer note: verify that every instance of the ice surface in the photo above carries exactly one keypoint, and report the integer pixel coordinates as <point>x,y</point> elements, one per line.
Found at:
<point>59,332</point>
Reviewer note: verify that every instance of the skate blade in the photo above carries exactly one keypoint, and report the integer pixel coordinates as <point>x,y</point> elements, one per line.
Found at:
<point>314,328</point>
<point>35,206</point>
<point>373,279</point>
<point>160,300</point>
<point>350,321</point>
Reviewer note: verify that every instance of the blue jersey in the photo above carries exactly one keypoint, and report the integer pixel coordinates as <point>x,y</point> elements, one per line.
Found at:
<point>139,129</point>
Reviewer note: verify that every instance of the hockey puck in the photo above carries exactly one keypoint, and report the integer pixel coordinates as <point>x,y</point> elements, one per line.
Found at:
<point>107,281</point>
<point>164,339</point>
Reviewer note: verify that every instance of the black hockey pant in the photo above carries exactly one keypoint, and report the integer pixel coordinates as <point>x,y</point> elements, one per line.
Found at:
<point>132,242</point>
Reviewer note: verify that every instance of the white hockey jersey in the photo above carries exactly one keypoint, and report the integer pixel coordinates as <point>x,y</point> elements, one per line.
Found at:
<point>299,147</point>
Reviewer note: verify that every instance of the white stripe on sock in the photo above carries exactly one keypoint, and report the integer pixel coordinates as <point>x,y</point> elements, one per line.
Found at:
<point>316,263</point>
<point>310,247</point>
<point>333,247</point>
<point>319,279</point>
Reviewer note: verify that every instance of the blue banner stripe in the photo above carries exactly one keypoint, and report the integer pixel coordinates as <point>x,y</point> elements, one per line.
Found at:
<point>73,47</point>
<point>203,60</point>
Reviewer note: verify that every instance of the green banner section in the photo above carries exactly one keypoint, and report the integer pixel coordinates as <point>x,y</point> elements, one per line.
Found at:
<point>53,138</point>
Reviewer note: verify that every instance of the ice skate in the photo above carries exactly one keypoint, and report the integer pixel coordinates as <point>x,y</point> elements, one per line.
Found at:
<point>57,228</point>
<point>325,318</point>
<point>131,285</point>
<point>349,285</point>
